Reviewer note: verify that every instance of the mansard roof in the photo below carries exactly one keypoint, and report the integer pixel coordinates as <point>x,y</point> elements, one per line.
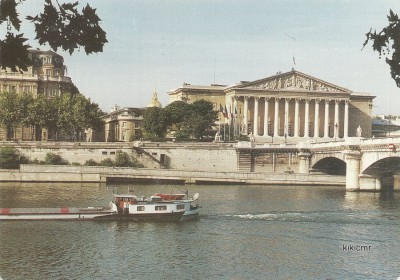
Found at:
<point>292,81</point>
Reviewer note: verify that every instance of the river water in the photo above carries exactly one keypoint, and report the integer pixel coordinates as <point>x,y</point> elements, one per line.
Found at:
<point>244,232</point>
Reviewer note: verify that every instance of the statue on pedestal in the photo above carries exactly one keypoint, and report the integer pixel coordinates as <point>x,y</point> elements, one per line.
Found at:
<point>217,137</point>
<point>251,137</point>
<point>359,131</point>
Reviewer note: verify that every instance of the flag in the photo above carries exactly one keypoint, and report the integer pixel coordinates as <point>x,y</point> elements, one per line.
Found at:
<point>225,112</point>
<point>221,110</point>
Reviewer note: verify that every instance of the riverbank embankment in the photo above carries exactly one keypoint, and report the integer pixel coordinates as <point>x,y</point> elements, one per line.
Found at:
<point>56,173</point>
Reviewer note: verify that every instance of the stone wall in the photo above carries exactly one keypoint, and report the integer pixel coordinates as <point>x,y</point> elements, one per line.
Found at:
<point>360,114</point>
<point>196,156</point>
<point>81,152</point>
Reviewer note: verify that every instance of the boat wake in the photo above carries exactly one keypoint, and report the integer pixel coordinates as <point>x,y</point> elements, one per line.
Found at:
<point>341,217</point>
<point>284,216</point>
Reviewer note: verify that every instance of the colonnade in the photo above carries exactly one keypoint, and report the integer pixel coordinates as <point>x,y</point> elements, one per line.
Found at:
<point>339,121</point>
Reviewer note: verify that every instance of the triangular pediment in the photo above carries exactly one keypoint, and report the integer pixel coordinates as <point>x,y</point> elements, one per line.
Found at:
<point>295,81</point>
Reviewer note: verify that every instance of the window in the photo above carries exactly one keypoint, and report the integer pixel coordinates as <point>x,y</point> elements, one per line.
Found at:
<point>12,88</point>
<point>140,208</point>
<point>161,208</point>
<point>104,153</point>
<point>48,72</point>
<point>180,206</point>
<point>27,89</point>
<point>53,91</point>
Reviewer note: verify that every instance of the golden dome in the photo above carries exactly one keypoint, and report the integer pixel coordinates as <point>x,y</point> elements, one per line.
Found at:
<point>154,101</point>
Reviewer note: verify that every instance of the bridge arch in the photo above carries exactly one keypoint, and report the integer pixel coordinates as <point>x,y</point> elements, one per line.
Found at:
<point>384,169</point>
<point>330,165</point>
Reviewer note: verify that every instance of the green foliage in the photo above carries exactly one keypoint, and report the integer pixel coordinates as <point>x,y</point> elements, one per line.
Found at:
<point>67,113</point>
<point>10,111</point>
<point>9,158</point>
<point>91,162</point>
<point>387,43</point>
<point>107,162</point>
<point>177,112</point>
<point>53,159</point>
<point>59,25</point>
<point>155,122</point>
<point>75,113</point>
<point>190,120</point>
<point>122,159</point>
<point>200,120</point>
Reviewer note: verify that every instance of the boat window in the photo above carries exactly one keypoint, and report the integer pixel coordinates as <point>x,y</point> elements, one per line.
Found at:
<point>180,206</point>
<point>160,208</point>
<point>140,208</point>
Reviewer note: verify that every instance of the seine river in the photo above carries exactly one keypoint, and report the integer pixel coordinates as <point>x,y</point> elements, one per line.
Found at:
<point>244,232</point>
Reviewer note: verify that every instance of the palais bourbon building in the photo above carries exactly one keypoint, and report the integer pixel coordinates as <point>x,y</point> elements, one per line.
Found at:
<point>292,106</point>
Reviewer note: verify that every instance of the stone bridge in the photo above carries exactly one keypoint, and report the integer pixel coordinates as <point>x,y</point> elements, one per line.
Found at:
<point>369,164</point>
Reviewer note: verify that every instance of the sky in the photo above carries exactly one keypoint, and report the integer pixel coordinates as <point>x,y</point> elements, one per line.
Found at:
<point>159,45</point>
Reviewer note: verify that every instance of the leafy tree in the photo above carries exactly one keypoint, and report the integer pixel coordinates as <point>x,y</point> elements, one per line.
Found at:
<point>177,111</point>
<point>39,116</point>
<point>59,25</point>
<point>9,158</point>
<point>9,112</point>
<point>155,122</point>
<point>200,120</point>
<point>71,114</point>
<point>387,43</point>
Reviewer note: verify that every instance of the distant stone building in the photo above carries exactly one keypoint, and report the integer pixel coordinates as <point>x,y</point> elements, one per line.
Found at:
<point>123,124</point>
<point>46,76</point>
<point>386,126</point>
<point>291,105</point>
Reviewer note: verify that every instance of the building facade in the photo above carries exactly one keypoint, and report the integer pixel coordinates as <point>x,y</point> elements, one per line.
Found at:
<point>46,76</point>
<point>122,124</point>
<point>125,124</point>
<point>291,106</point>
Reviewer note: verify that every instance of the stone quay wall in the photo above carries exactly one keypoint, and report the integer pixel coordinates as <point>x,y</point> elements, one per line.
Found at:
<point>60,173</point>
<point>218,157</point>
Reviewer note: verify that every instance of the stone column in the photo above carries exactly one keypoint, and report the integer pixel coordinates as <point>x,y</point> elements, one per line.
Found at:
<point>304,163</point>
<point>286,131</point>
<point>266,115</point>
<point>346,119</point>
<point>255,118</point>
<point>234,112</point>
<point>316,119</point>
<point>353,159</point>
<point>296,118</point>
<point>336,123</point>
<point>326,119</point>
<point>276,118</point>
<point>245,116</point>
<point>307,119</point>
